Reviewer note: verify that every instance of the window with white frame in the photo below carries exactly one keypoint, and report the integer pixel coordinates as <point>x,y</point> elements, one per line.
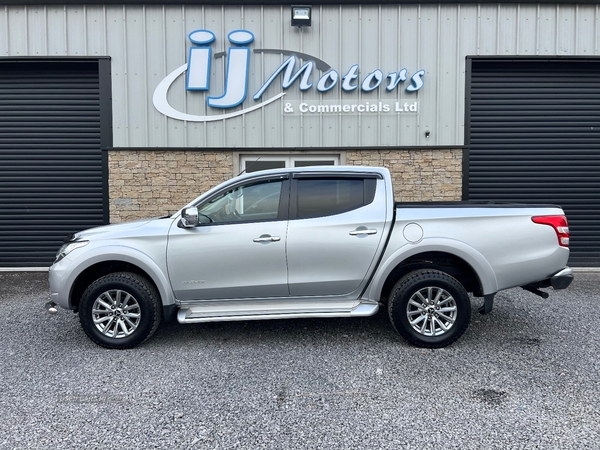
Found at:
<point>256,162</point>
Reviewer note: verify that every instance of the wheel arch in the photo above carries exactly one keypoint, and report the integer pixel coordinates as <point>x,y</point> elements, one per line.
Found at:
<point>469,267</point>
<point>106,263</point>
<point>98,270</point>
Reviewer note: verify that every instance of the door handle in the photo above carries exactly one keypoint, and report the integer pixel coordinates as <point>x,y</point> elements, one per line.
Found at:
<point>267,238</point>
<point>361,231</point>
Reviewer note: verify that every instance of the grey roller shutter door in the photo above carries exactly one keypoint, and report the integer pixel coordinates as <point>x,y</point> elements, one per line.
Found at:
<point>533,135</point>
<point>51,171</point>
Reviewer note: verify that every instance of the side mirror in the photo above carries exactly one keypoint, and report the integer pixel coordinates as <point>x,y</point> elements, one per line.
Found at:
<point>189,217</point>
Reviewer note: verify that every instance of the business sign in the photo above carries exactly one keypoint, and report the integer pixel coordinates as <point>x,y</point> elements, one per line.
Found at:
<point>350,107</point>
<point>198,69</point>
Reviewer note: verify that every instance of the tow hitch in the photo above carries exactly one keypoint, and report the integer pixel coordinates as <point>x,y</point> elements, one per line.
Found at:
<point>560,280</point>
<point>536,291</point>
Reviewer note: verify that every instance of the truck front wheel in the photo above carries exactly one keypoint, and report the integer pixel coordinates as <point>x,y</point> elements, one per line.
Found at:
<point>429,308</point>
<point>120,310</point>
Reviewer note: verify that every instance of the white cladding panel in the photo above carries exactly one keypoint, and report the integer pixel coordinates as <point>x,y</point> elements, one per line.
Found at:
<point>146,43</point>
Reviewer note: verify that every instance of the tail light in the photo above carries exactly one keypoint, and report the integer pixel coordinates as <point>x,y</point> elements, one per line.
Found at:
<point>560,225</point>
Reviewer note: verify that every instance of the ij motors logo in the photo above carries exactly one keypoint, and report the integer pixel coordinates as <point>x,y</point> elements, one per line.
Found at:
<point>237,72</point>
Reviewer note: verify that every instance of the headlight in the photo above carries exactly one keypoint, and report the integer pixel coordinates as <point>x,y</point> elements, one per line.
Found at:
<point>68,248</point>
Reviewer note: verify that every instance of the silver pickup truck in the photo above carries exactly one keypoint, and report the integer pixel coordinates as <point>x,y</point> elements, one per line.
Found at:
<point>311,242</point>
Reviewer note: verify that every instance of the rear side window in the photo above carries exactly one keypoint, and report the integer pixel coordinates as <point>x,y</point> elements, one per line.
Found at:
<point>318,197</point>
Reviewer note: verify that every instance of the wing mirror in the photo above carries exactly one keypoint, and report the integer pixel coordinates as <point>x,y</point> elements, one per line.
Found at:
<point>189,218</point>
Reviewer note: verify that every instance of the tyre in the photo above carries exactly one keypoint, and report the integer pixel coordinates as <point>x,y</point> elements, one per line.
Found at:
<point>120,310</point>
<point>429,308</point>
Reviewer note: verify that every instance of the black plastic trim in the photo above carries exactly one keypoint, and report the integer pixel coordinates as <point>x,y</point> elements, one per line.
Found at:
<point>469,204</point>
<point>337,175</point>
<point>169,313</point>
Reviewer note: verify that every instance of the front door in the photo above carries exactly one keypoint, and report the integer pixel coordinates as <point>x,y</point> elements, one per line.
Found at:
<point>239,252</point>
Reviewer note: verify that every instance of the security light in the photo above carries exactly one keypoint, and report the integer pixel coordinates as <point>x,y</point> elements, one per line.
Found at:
<point>301,16</point>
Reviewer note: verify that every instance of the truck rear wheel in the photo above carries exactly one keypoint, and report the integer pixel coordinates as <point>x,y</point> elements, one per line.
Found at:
<point>429,308</point>
<point>120,310</point>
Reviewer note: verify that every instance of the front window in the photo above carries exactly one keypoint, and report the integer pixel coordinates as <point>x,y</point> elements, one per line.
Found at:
<point>248,203</point>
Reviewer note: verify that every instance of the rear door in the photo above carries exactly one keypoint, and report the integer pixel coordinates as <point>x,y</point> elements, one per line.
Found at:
<point>335,233</point>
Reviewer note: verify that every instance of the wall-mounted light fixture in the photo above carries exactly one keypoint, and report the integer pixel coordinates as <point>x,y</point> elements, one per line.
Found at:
<point>301,16</point>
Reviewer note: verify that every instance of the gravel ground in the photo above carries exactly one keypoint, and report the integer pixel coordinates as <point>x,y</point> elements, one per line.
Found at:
<point>524,376</point>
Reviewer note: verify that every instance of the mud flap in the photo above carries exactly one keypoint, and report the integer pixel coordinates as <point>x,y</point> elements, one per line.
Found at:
<point>488,304</point>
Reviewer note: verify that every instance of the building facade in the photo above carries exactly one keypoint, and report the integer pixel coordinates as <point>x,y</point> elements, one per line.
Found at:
<point>118,111</point>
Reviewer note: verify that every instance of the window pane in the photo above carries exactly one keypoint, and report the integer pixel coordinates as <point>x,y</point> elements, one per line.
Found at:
<point>256,161</point>
<point>260,201</point>
<point>249,203</point>
<point>255,166</point>
<point>324,197</point>
<point>307,163</point>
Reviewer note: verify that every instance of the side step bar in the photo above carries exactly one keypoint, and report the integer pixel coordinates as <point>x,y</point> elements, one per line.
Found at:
<point>206,313</point>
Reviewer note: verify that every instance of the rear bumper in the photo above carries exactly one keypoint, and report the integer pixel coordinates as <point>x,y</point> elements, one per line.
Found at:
<point>561,279</point>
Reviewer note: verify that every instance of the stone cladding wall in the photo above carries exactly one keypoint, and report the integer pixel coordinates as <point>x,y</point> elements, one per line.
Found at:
<point>150,183</point>
<point>417,175</point>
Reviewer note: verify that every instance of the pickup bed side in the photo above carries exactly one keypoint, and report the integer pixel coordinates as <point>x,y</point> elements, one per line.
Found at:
<point>481,236</point>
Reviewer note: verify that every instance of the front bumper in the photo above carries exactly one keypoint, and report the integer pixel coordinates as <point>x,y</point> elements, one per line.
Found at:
<point>57,278</point>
